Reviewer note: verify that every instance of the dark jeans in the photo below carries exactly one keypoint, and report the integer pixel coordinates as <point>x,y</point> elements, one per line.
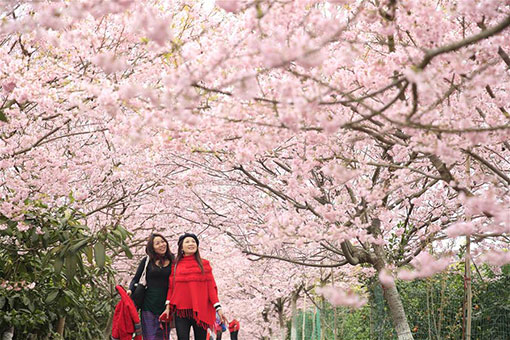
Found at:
<point>183,327</point>
<point>150,327</point>
<point>233,335</point>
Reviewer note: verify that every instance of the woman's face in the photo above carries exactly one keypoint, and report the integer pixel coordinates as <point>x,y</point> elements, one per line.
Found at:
<point>159,245</point>
<point>189,246</point>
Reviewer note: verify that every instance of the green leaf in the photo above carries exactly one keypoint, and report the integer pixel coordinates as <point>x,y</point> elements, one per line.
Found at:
<point>71,266</point>
<point>90,254</point>
<point>100,254</point>
<point>2,302</point>
<point>123,232</point>
<point>34,237</point>
<point>51,296</point>
<point>3,117</point>
<point>71,197</point>
<point>78,245</point>
<point>67,214</point>
<point>506,269</point>
<point>117,233</point>
<point>12,301</point>
<point>70,294</point>
<point>58,265</point>
<point>128,252</point>
<point>31,306</point>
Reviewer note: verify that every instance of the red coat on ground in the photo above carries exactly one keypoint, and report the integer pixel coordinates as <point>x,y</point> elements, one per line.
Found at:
<point>125,318</point>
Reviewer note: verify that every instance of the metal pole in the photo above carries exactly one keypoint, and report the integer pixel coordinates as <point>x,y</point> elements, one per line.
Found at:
<point>469,292</point>
<point>334,308</point>
<point>304,317</point>
<point>467,274</point>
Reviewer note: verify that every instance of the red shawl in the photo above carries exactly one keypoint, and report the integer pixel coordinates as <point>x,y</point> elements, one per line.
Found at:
<point>194,293</point>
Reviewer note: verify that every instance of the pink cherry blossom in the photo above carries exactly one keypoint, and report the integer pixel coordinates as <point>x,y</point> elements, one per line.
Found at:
<point>497,257</point>
<point>8,87</point>
<point>460,228</point>
<point>425,266</point>
<point>342,297</point>
<point>386,278</point>
<point>229,5</point>
<point>109,62</point>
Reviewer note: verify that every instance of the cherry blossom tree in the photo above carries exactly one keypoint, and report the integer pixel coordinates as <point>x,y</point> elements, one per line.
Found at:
<point>370,142</point>
<point>329,134</point>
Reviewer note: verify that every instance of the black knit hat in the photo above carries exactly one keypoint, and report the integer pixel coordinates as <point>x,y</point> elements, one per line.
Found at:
<point>183,236</point>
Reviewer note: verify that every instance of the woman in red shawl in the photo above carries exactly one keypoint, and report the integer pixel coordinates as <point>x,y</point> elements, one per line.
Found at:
<point>192,292</point>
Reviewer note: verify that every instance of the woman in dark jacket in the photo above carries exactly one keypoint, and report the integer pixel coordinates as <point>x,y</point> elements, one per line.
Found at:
<point>157,274</point>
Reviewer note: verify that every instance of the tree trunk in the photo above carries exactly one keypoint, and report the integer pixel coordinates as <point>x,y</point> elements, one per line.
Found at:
<point>391,295</point>
<point>265,317</point>
<point>281,318</point>
<point>8,334</point>
<point>108,329</point>
<point>397,313</point>
<point>293,324</point>
<point>61,325</point>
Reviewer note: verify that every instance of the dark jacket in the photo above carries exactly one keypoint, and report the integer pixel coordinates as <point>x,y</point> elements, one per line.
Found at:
<point>156,287</point>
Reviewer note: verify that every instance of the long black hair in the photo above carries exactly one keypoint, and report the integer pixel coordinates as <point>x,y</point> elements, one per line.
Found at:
<point>180,252</point>
<point>153,256</point>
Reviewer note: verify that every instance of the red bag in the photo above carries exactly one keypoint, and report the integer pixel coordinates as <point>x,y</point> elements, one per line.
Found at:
<point>167,322</point>
<point>168,319</point>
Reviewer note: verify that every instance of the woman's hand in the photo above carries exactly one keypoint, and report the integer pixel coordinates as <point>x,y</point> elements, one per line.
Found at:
<point>223,318</point>
<point>165,315</point>
<point>128,292</point>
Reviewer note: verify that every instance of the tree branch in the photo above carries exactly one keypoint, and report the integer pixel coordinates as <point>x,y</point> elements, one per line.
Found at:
<point>488,165</point>
<point>38,142</point>
<point>274,257</point>
<point>463,43</point>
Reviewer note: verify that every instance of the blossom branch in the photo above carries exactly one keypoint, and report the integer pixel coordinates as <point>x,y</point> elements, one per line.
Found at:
<point>463,43</point>
<point>488,165</point>
<point>302,263</point>
<point>40,140</point>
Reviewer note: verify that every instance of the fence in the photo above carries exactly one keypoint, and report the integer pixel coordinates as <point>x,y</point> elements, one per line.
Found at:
<point>434,309</point>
